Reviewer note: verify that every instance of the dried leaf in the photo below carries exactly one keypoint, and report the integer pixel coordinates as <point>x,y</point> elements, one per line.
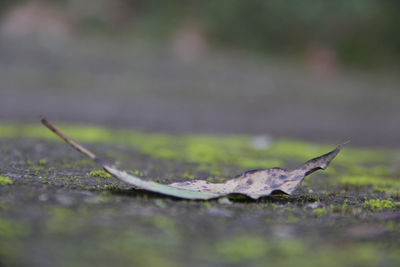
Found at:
<point>254,183</point>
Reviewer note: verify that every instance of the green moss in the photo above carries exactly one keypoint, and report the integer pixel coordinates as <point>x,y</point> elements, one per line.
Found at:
<point>292,219</point>
<point>304,151</point>
<point>83,162</point>
<point>379,170</point>
<point>104,197</point>
<point>36,168</point>
<point>243,248</point>
<point>209,152</point>
<point>379,204</point>
<point>319,211</point>
<point>167,225</point>
<point>293,252</point>
<point>4,206</point>
<point>63,221</point>
<point>110,187</point>
<point>11,229</point>
<point>8,130</point>
<point>5,181</point>
<point>128,248</point>
<point>43,161</point>
<point>11,232</point>
<point>216,179</point>
<point>160,203</point>
<point>343,209</point>
<point>188,175</point>
<point>381,184</point>
<point>296,149</point>
<point>100,173</point>
<point>11,252</point>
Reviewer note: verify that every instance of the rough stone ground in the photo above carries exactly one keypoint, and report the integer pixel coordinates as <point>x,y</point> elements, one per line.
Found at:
<point>55,213</point>
<point>60,211</point>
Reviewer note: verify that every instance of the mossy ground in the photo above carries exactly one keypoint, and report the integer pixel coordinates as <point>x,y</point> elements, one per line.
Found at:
<point>60,210</point>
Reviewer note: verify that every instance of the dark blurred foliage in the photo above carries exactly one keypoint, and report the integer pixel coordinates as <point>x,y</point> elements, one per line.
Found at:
<point>361,32</point>
<point>358,30</point>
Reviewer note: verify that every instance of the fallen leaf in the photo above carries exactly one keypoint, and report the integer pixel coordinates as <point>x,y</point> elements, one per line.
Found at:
<point>254,183</point>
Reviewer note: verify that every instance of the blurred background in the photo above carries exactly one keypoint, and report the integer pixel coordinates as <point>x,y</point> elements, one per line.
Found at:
<point>324,71</point>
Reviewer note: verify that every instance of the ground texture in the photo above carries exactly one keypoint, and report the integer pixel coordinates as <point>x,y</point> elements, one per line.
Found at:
<point>57,208</point>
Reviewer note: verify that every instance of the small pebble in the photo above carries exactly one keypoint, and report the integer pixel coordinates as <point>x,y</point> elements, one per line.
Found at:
<point>261,142</point>
<point>314,205</point>
<point>64,200</point>
<point>43,197</point>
